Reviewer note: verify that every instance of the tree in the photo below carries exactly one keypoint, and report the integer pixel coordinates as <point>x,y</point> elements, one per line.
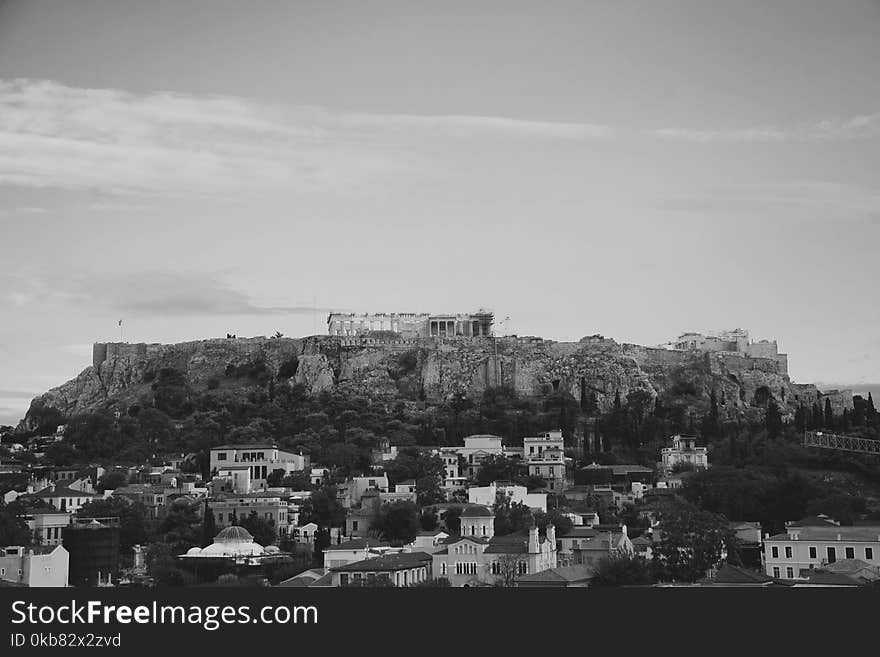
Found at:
<point>181,528</point>
<point>428,491</point>
<point>323,509</point>
<point>829,414</point>
<point>622,568</point>
<point>428,520</point>
<point>262,530</point>
<point>398,522</point>
<point>452,520</point>
<point>773,420</point>
<point>692,542</point>
<point>209,526</point>
<point>507,570</point>
<point>13,530</point>
<point>511,518</point>
<point>111,481</point>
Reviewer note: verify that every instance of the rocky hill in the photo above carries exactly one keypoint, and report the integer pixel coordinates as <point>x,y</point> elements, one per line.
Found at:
<point>433,370</point>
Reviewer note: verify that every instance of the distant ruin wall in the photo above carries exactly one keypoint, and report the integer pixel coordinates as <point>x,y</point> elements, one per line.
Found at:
<point>104,351</point>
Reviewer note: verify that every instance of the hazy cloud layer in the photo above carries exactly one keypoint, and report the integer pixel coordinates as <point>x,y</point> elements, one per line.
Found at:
<point>144,294</point>
<point>111,140</point>
<point>866,126</point>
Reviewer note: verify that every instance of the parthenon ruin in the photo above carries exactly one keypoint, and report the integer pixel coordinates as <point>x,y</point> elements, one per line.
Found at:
<point>413,325</point>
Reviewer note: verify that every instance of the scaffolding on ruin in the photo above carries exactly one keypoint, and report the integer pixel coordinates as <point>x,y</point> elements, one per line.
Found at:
<point>841,442</point>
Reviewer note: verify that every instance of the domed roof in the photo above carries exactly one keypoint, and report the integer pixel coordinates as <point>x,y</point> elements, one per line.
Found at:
<point>193,551</point>
<point>477,511</point>
<point>272,549</point>
<point>233,534</point>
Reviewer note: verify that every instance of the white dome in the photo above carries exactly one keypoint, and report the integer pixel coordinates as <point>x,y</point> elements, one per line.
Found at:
<point>193,551</point>
<point>233,541</point>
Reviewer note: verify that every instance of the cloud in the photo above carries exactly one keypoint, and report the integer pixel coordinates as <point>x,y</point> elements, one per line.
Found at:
<point>864,126</point>
<point>18,394</point>
<point>469,126</point>
<point>815,196</point>
<point>175,144</point>
<point>145,294</point>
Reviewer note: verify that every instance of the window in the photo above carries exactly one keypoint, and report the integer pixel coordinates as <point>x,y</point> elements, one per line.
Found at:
<point>443,568</point>
<point>221,456</point>
<point>788,552</point>
<point>869,553</point>
<point>343,579</point>
<point>832,555</point>
<point>850,552</point>
<point>354,525</point>
<point>522,568</point>
<point>776,572</point>
<point>789,572</point>
<point>774,552</point>
<point>812,552</point>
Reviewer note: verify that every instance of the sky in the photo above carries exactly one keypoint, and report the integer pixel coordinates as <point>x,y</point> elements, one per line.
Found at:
<point>630,168</point>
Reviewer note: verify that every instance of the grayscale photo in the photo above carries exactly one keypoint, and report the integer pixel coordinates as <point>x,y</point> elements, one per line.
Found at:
<point>404,294</point>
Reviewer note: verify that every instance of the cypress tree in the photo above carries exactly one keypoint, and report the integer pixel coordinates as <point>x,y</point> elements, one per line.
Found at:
<point>817,416</point>
<point>829,414</point>
<point>209,526</point>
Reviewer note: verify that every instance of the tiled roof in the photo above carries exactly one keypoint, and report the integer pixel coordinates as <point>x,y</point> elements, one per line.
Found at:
<point>848,566</point>
<point>813,521</point>
<point>510,544</point>
<point>869,534</point>
<point>729,574</point>
<point>59,491</point>
<point>576,573</point>
<point>477,511</point>
<point>245,446</point>
<point>826,578</point>
<point>389,562</point>
<point>357,544</point>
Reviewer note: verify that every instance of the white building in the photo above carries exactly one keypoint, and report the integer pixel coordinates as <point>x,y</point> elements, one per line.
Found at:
<point>36,567</point>
<point>802,548</point>
<point>545,458</point>
<point>684,451</point>
<point>476,449</point>
<point>486,495</point>
<point>479,558</point>
<point>260,459</point>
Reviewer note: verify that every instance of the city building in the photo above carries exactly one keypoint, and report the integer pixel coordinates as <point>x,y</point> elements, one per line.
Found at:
<point>486,495</point>
<point>230,508</point>
<point>477,448</point>
<point>400,569</point>
<point>683,452</point>
<point>586,545</point>
<point>34,567</point>
<point>61,496</point>
<point>477,557</point>
<point>47,525</point>
<point>814,547</point>
<point>259,460</point>
<point>234,545</point>
<point>547,461</point>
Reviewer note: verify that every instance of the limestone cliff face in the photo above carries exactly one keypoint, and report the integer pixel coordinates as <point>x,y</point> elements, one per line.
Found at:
<point>434,370</point>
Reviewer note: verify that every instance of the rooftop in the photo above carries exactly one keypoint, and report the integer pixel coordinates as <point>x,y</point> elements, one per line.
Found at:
<point>869,534</point>
<point>245,446</point>
<point>389,562</point>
